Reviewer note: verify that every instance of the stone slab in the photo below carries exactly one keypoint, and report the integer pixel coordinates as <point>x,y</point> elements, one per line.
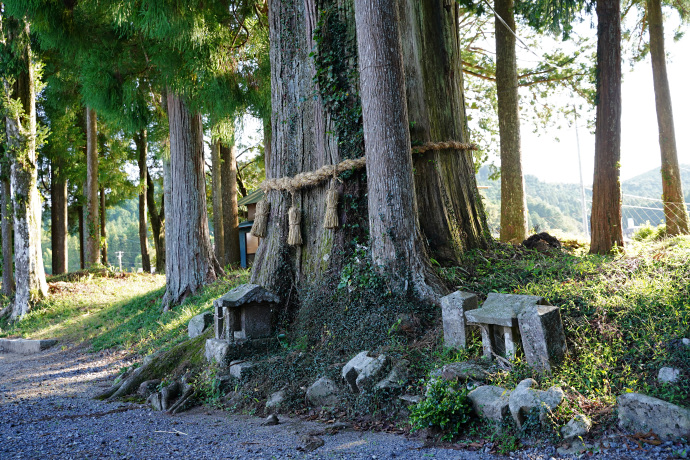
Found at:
<point>26,346</point>
<point>199,324</point>
<point>641,413</point>
<point>490,402</point>
<point>244,295</point>
<point>543,339</point>
<point>453,307</point>
<point>502,309</point>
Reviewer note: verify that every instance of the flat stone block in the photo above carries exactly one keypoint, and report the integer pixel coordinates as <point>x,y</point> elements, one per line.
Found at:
<point>543,339</point>
<point>502,309</point>
<point>26,346</point>
<point>453,307</point>
<point>199,324</point>
<point>641,413</point>
<point>490,402</point>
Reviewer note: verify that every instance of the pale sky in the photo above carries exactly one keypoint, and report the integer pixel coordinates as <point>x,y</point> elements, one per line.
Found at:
<point>553,161</point>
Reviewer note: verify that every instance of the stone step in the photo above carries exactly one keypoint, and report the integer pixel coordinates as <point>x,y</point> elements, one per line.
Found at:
<point>25,346</point>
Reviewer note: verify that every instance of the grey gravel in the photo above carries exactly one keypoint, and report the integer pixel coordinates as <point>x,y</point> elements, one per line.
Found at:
<point>46,412</point>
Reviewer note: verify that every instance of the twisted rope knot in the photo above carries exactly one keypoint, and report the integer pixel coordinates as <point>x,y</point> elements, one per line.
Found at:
<point>325,172</point>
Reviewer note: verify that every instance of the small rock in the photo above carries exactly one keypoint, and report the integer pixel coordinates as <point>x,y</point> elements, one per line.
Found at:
<point>217,350</point>
<point>271,420</point>
<point>641,413</point>
<point>490,402</point>
<point>156,401</point>
<point>669,375</point>
<point>363,370</point>
<point>396,377</point>
<point>577,426</point>
<point>199,324</point>
<point>275,400</point>
<point>372,372</point>
<point>323,392</point>
<point>523,399</point>
<point>576,448</point>
<point>464,371</point>
<point>410,399</point>
<point>686,342</point>
<point>148,387</point>
<point>240,369</point>
<point>310,443</point>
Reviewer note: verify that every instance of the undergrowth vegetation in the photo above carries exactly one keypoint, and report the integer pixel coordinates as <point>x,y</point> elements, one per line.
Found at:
<point>104,309</point>
<point>624,318</point>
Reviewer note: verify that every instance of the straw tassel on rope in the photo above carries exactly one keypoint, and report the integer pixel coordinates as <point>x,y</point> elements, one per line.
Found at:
<point>294,218</point>
<point>260,226</point>
<point>331,219</point>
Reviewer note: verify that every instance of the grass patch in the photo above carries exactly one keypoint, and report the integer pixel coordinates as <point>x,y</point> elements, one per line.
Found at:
<point>106,310</point>
<point>624,316</point>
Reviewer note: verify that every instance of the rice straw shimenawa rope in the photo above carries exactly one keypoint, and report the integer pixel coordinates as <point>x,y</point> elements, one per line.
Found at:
<point>323,174</point>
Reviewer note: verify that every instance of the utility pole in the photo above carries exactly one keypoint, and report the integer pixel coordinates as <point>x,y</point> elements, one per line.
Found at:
<point>119,258</point>
<point>585,224</point>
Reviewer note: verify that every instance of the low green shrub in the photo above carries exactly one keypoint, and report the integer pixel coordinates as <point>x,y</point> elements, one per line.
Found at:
<point>445,406</point>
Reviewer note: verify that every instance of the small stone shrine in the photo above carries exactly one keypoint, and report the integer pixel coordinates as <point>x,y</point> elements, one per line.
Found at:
<point>244,313</point>
<point>506,320</point>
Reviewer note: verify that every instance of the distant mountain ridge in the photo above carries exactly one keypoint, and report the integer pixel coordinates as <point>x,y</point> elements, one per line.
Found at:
<point>559,206</point>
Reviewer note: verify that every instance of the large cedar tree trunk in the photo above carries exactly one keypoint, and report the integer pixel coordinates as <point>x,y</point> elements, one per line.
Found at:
<point>450,209</point>
<point>303,138</point>
<point>231,229</point>
<point>189,255</point>
<point>394,235</point>
<point>141,141</point>
<point>513,199</point>
<point>217,199</point>
<point>308,132</point>
<point>58,218</point>
<point>92,237</point>
<point>7,216</point>
<point>606,193</point>
<point>21,136</point>
<point>674,202</point>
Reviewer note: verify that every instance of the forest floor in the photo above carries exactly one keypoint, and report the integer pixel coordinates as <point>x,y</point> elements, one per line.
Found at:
<point>624,316</point>
<point>47,411</point>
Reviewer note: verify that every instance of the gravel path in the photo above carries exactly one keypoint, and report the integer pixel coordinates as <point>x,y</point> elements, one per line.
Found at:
<point>46,412</point>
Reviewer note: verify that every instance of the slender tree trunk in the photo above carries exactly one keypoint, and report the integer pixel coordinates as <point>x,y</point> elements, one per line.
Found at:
<point>451,214</point>
<point>7,223</point>
<point>189,256</point>
<point>58,218</point>
<point>21,134</point>
<point>157,223</point>
<point>141,141</point>
<point>396,246</point>
<point>217,197</point>
<point>92,253</point>
<point>104,236</point>
<point>231,222</point>
<point>674,201</point>
<point>513,200</point>
<point>82,236</point>
<point>606,194</point>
